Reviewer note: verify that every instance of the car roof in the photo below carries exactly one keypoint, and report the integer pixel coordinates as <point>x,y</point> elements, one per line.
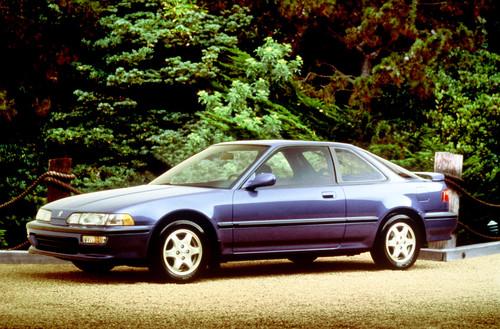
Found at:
<point>283,142</point>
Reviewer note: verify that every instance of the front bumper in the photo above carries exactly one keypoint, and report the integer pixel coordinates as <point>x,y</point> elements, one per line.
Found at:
<point>125,244</point>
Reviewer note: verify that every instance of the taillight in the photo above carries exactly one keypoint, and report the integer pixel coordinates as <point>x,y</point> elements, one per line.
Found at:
<point>445,195</point>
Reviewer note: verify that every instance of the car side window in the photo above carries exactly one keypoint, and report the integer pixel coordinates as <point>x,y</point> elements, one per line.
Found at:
<point>317,160</point>
<point>279,166</point>
<point>300,166</point>
<point>352,168</point>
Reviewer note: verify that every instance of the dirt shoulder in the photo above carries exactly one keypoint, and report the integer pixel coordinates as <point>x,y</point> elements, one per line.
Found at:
<point>344,292</point>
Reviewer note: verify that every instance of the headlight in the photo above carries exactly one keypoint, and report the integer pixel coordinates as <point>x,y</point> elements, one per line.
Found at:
<point>43,215</point>
<point>100,219</point>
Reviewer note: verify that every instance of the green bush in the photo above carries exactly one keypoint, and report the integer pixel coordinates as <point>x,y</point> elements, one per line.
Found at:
<point>140,78</point>
<point>466,117</point>
<point>244,106</point>
<point>19,165</point>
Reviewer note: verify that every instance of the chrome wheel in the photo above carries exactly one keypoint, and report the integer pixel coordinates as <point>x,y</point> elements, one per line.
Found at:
<point>182,252</point>
<point>400,242</point>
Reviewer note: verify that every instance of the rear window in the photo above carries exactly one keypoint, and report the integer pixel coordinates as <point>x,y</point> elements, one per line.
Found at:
<point>400,171</point>
<point>353,168</point>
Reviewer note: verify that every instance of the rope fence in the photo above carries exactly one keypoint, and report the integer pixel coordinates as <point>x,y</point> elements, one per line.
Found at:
<point>52,177</point>
<point>456,184</point>
<point>479,234</point>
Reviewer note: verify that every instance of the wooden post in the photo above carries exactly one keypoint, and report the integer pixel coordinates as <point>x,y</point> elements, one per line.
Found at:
<point>62,165</point>
<point>451,164</point>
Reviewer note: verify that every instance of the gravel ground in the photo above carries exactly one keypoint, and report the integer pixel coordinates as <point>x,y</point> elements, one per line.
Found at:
<point>343,292</point>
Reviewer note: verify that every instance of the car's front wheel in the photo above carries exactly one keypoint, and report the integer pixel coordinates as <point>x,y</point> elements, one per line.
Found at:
<point>183,252</point>
<point>93,267</point>
<point>398,244</point>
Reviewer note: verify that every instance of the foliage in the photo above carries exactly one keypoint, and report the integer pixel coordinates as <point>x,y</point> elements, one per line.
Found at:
<point>370,58</point>
<point>39,41</point>
<point>7,106</point>
<point>3,242</point>
<point>16,164</point>
<point>90,178</point>
<point>464,119</point>
<point>467,116</point>
<point>245,105</point>
<point>140,79</point>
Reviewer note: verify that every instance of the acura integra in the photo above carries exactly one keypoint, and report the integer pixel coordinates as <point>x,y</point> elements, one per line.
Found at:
<point>252,200</point>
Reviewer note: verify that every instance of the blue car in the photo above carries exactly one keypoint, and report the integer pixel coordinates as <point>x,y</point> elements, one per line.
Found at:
<point>252,200</point>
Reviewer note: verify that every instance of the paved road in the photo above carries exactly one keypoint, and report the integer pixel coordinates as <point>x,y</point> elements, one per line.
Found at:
<point>343,292</point>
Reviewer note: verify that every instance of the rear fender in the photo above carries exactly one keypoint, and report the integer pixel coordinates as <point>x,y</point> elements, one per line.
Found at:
<point>409,213</point>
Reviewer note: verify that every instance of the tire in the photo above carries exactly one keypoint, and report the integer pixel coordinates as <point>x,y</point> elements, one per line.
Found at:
<point>398,244</point>
<point>93,267</point>
<point>302,260</point>
<point>182,253</point>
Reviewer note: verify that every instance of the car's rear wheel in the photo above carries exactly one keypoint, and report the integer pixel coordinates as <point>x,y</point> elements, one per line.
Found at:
<point>398,244</point>
<point>93,267</point>
<point>183,252</point>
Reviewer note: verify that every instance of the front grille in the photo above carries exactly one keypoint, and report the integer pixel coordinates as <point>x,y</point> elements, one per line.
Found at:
<point>56,244</point>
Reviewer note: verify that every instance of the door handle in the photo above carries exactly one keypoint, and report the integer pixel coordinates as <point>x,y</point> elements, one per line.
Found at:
<point>328,195</point>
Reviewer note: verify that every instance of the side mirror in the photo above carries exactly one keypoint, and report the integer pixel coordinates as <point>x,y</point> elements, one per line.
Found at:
<point>260,180</point>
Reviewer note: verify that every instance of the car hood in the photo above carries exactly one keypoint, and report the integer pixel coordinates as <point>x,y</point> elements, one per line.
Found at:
<point>113,200</point>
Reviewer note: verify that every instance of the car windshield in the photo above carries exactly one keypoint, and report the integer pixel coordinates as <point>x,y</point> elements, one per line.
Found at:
<point>219,166</point>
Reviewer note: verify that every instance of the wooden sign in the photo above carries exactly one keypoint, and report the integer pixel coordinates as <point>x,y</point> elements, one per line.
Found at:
<point>448,163</point>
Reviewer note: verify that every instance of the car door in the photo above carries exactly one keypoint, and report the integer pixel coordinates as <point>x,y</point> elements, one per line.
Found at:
<point>366,192</point>
<point>304,210</point>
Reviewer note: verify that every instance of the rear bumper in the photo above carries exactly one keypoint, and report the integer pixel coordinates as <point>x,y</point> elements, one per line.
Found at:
<point>440,225</point>
<point>124,244</point>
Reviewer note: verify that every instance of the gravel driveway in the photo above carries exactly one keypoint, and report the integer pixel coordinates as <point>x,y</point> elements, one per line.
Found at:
<point>343,292</point>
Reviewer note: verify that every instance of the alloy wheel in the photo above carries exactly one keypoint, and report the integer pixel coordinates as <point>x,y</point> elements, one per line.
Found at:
<point>400,242</point>
<point>182,252</point>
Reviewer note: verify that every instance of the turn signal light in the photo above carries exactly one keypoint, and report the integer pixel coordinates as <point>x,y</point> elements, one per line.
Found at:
<point>91,239</point>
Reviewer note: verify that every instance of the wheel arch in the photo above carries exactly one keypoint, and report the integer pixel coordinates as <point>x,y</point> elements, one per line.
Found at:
<point>408,212</point>
<point>186,215</point>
